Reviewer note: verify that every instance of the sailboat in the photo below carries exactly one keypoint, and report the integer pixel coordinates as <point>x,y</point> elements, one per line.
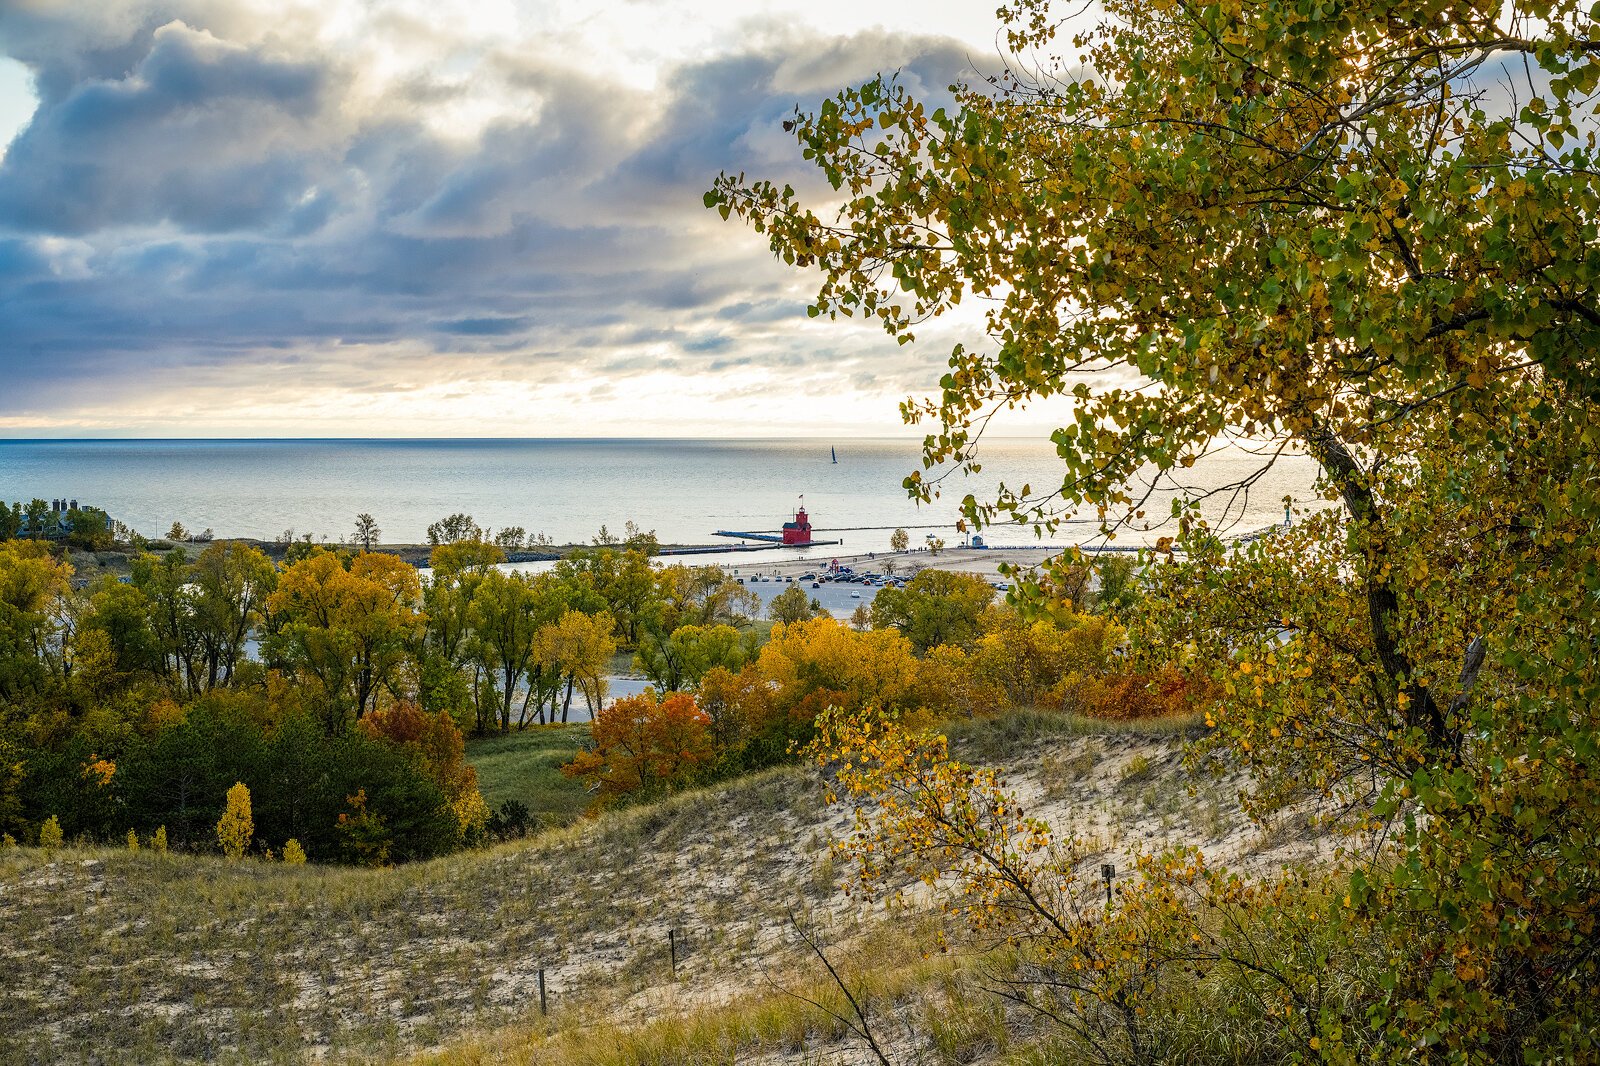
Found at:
<point>835,452</point>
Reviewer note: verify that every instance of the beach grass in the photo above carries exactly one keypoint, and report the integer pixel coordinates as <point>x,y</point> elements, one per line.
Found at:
<point>124,957</point>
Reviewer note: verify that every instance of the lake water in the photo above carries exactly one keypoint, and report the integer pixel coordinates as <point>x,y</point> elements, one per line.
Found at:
<point>683,489</point>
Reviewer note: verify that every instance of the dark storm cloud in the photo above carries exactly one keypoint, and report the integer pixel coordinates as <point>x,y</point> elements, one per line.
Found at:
<point>200,133</point>
<point>186,199</point>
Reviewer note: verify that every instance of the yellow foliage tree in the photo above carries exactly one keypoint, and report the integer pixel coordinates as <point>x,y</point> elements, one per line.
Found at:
<point>50,833</point>
<point>158,843</point>
<point>348,630</point>
<point>824,658</point>
<point>293,853</point>
<point>236,826</point>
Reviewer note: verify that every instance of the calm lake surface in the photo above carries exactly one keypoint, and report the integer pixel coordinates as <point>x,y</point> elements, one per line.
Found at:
<point>683,489</point>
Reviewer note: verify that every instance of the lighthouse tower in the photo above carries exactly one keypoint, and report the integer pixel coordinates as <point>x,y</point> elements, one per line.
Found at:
<point>798,531</point>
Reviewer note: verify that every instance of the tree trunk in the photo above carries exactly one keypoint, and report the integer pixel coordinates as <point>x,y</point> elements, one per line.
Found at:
<point>1355,490</point>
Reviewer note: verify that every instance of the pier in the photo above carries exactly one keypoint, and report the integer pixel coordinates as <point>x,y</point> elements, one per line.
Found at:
<point>772,537</point>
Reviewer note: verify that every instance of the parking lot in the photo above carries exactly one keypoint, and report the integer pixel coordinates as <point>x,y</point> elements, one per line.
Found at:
<point>838,598</point>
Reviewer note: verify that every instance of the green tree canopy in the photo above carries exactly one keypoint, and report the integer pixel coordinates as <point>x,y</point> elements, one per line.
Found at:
<point>1364,231</point>
<point>935,607</point>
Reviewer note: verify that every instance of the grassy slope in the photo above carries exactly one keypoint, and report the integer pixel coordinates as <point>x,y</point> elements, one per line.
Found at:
<point>526,766</point>
<point>143,958</point>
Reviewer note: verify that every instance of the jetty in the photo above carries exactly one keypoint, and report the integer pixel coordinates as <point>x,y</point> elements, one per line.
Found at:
<point>794,534</point>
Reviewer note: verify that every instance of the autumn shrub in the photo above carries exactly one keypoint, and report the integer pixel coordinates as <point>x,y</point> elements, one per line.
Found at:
<point>364,840</point>
<point>293,853</point>
<point>1124,981</point>
<point>1165,692</point>
<point>436,747</point>
<point>50,833</point>
<point>748,731</point>
<point>1035,661</point>
<point>877,668</point>
<point>642,746</point>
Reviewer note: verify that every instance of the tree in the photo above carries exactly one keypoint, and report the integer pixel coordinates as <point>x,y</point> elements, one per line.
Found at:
<point>506,615</point>
<point>436,747</point>
<point>349,631</point>
<point>511,538</point>
<point>367,531</point>
<point>236,827</point>
<point>899,540</point>
<point>790,606</point>
<point>177,532</point>
<point>38,514</point>
<point>701,595</point>
<point>935,607</point>
<point>643,541</point>
<point>447,676</point>
<point>456,527</point>
<point>681,659</point>
<point>624,582</point>
<point>123,613</point>
<point>818,662</point>
<point>34,591</point>
<point>164,582</point>
<point>228,588</point>
<point>1312,235</point>
<point>89,529</point>
<point>642,746</point>
<point>578,647</point>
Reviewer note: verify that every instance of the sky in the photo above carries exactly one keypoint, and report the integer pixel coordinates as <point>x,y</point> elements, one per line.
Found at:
<point>434,217</point>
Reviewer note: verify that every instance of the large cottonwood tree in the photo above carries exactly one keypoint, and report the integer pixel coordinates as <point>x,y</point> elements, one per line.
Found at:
<point>1365,230</point>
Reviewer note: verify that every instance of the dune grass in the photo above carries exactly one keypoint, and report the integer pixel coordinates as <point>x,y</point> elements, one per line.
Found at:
<point>526,767</point>
<point>999,736</point>
<point>118,957</point>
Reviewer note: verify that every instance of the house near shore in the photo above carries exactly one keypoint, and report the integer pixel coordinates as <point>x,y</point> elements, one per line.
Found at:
<point>59,522</point>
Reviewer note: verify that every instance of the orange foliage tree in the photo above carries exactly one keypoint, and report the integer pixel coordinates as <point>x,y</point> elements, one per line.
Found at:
<point>641,746</point>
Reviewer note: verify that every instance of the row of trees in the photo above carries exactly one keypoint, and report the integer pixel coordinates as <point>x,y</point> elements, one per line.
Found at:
<point>725,703</point>
<point>186,653</point>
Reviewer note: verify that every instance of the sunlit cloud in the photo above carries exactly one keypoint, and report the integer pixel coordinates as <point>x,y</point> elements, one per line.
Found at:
<point>431,217</point>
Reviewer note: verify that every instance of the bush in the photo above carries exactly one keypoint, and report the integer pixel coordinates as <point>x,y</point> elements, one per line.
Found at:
<point>236,828</point>
<point>644,747</point>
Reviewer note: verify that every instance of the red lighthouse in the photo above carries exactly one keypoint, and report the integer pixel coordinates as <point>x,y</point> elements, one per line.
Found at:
<point>798,531</point>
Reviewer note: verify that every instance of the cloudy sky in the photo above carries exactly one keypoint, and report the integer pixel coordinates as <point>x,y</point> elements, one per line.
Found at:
<point>431,217</point>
